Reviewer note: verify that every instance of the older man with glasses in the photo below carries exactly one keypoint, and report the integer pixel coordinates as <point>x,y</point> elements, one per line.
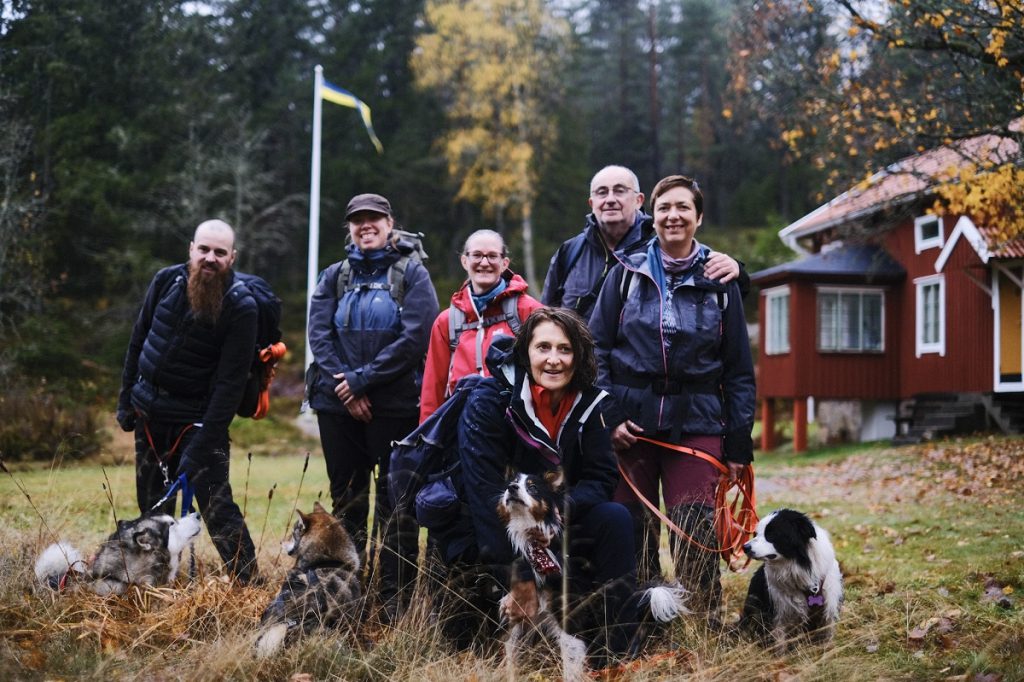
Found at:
<point>616,225</point>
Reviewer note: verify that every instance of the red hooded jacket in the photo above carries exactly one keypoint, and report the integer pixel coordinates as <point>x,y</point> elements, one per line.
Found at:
<point>437,380</point>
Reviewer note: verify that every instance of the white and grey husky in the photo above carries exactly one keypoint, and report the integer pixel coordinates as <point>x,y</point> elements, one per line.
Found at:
<point>143,551</point>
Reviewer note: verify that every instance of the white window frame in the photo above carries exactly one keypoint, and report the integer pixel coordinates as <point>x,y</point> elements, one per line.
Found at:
<point>771,324</point>
<point>937,346</point>
<point>922,243</point>
<point>874,291</point>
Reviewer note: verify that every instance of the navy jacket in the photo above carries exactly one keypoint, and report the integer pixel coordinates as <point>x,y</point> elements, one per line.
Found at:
<point>499,430</point>
<point>568,284</point>
<point>181,370</point>
<point>679,364</point>
<point>379,346</point>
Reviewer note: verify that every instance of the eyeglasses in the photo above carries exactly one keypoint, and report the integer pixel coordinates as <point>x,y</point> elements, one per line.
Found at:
<point>620,192</point>
<point>477,257</point>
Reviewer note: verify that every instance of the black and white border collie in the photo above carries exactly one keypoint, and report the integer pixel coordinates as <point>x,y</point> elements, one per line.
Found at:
<point>798,590</point>
<point>529,508</point>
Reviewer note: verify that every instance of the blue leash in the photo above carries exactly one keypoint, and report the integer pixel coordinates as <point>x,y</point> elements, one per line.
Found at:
<point>187,493</point>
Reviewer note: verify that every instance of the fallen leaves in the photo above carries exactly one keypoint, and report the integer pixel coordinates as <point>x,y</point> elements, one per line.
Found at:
<point>997,593</point>
<point>936,629</point>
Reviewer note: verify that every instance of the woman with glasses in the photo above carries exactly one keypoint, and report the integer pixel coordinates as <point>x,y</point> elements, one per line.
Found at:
<point>673,352</point>
<point>492,302</point>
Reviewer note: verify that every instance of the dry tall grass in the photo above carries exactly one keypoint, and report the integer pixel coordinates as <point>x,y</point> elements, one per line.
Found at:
<point>920,551</point>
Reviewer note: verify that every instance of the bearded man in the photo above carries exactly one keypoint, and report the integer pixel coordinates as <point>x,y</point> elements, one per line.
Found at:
<point>184,374</point>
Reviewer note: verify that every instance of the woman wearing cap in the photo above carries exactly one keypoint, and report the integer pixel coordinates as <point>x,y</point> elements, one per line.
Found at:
<point>673,351</point>
<point>369,325</point>
<point>492,302</point>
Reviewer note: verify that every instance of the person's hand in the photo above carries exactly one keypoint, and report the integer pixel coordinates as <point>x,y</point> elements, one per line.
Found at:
<point>342,390</point>
<point>188,466</point>
<point>735,471</point>
<point>359,408</point>
<point>126,419</point>
<point>722,267</point>
<point>522,602</point>
<point>624,435</point>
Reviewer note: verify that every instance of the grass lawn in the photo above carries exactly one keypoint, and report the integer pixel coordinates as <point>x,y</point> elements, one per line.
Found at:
<point>929,539</point>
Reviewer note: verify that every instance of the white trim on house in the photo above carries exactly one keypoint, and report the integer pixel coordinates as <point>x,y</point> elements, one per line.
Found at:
<point>922,243</point>
<point>965,228</point>
<point>998,385</point>
<point>783,346</point>
<point>939,345</point>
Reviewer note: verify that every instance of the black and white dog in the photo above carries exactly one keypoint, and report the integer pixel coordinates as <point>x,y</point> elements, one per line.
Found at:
<point>529,508</point>
<point>798,591</point>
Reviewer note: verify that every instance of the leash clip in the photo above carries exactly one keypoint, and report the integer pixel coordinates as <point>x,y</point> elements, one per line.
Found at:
<point>187,492</point>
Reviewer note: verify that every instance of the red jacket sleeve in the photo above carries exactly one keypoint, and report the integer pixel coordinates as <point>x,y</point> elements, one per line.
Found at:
<point>435,371</point>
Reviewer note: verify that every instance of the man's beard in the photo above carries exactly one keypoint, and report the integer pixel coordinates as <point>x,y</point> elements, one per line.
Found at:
<point>206,292</point>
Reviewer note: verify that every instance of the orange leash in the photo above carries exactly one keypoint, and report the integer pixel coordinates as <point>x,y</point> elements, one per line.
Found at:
<point>735,520</point>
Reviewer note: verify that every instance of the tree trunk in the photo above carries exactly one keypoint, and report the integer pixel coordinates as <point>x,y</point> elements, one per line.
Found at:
<point>529,271</point>
<point>655,109</point>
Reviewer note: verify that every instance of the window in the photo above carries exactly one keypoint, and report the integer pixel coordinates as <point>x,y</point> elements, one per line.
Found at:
<point>776,333</point>
<point>927,233</point>
<point>931,315</point>
<point>851,320</point>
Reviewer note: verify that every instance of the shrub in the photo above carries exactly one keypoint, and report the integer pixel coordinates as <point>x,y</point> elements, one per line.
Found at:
<point>35,426</point>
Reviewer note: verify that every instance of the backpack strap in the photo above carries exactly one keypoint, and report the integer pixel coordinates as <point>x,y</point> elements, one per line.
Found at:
<point>457,325</point>
<point>567,259</point>
<point>396,279</point>
<point>627,285</point>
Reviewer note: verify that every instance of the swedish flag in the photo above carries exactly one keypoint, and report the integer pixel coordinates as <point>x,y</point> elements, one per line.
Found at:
<point>332,93</point>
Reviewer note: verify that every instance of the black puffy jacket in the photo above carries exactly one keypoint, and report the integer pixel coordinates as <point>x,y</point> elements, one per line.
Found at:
<point>182,370</point>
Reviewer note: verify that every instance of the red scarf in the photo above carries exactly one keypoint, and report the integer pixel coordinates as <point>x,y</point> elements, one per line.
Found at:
<point>542,406</point>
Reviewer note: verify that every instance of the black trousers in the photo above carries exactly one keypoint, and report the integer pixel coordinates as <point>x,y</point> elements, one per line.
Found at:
<point>212,486</point>
<point>352,450</point>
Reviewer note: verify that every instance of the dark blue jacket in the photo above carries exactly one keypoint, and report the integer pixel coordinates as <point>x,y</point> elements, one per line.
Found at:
<point>379,346</point>
<point>679,364</point>
<point>498,430</point>
<point>181,370</point>
<point>576,285</point>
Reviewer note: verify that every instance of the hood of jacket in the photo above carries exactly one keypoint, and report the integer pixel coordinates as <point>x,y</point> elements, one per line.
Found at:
<point>514,286</point>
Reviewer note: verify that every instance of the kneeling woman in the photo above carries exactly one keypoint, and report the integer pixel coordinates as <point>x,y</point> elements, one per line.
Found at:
<point>540,410</point>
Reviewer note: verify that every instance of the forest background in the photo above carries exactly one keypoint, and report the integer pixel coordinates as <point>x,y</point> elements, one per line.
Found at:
<point>124,124</point>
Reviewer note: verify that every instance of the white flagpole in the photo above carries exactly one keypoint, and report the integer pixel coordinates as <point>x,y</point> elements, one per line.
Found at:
<point>313,262</point>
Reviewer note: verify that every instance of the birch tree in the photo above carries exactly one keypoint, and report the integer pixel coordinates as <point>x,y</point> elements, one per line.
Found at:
<point>495,64</point>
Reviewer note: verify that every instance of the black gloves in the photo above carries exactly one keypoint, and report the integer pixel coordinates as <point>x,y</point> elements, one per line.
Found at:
<point>126,418</point>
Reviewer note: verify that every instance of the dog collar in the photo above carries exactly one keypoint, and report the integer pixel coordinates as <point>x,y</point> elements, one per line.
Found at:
<point>542,560</point>
<point>814,596</point>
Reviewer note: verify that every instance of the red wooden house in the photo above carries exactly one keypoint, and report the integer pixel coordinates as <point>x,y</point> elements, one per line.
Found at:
<point>900,317</point>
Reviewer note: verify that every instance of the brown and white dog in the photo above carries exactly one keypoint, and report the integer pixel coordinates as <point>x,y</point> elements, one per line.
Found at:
<point>529,508</point>
<point>143,551</point>
<point>320,591</point>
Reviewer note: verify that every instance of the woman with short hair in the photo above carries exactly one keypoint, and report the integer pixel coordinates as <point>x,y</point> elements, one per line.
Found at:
<point>673,351</point>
